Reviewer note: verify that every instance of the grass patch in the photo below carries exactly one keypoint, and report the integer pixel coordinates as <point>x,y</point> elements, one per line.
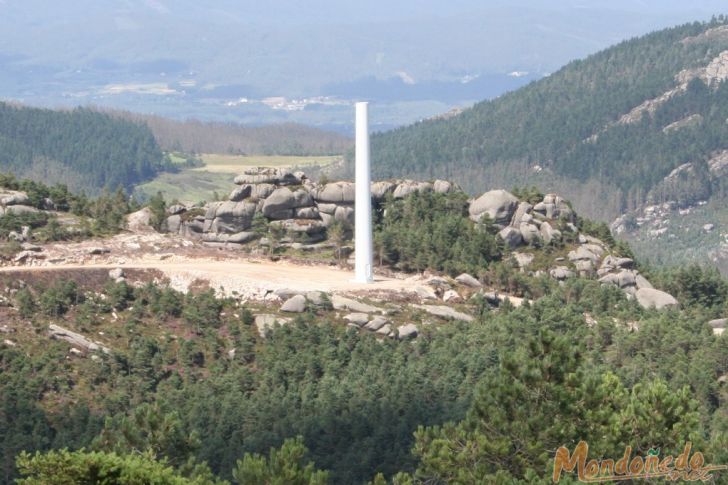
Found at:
<point>237,163</point>
<point>187,186</point>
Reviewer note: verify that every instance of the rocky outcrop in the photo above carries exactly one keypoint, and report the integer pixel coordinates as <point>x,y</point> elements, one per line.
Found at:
<point>75,339</point>
<point>445,312</point>
<point>295,203</point>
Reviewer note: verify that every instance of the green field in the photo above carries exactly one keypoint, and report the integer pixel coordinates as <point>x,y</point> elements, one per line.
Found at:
<point>237,163</point>
<point>187,186</point>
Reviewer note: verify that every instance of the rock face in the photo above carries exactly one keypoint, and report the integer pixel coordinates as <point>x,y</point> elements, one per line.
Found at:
<point>651,298</point>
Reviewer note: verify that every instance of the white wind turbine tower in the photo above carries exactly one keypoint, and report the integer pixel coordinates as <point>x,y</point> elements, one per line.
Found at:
<point>363,202</point>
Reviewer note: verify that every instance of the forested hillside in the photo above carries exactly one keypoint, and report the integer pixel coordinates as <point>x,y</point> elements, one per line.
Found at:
<point>82,148</point>
<point>193,136</point>
<point>615,124</point>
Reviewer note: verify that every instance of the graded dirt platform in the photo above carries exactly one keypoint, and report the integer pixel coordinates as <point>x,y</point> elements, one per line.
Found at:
<point>247,278</point>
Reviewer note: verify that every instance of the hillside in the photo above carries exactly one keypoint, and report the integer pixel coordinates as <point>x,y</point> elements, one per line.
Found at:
<point>232,349</point>
<point>194,136</point>
<point>83,149</point>
<point>615,124</point>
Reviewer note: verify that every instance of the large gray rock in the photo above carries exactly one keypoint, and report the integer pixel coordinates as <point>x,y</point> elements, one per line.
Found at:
<point>326,208</point>
<point>582,253</point>
<point>264,175</point>
<point>554,207</point>
<point>498,205</point>
<point>336,192</point>
<point>75,339</point>
<point>521,214</point>
<point>530,233</point>
<point>140,221</point>
<point>511,236</point>
<point>561,273</point>
<point>241,193</point>
<point>425,293</point>
<point>522,259</point>
<point>444,187</point>
<point>230,217</point>
<point>468,280</point>
<point>652,298</point>
<point>283,200</point>
<point>345,214</point>
<point>306,213</point>
<point>584,266</point>
<point>641,282</point>
<point>261,191</point>
<point>360,319</point>
<point>445,312</point>
<point>407,187</point>
<point>265,322</point>
<point>381,189</point>
<point>173,223</point>
<point>612,262</point>
<point>549,234</point>
<point>407,331</point>
<point>14,198</point>
<point>342,303</point>
<point>241,237</point>
<point>295,304</point>
<point>20,210</point>
<point>451,296</point>
<point>301,226</point>
<point>176,209</point>
<point>376,323</point>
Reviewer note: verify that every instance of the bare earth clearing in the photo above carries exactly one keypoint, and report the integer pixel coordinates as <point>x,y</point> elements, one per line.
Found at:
<point>186,263</point>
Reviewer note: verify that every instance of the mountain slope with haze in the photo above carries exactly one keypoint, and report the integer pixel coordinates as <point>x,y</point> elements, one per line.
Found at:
<point>615,124</point>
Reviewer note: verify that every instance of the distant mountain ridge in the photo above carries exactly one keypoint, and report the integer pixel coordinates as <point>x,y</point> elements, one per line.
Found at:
<point>614,125</point>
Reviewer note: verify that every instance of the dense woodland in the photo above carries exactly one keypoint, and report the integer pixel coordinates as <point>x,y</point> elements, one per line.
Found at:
<point>194,136</point>
<point>551,122</point>
<point>464,403</point>
<point>83,149</point>
<point>316,402</point>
